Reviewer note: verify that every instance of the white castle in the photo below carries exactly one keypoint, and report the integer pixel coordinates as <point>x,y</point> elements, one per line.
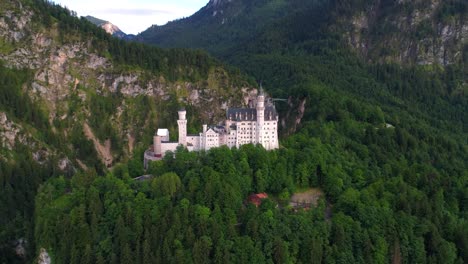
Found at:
<point>257,125</point>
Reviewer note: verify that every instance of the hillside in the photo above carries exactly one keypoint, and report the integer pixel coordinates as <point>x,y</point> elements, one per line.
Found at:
<point>413,52</point>
<point>220,27</point>
<point>71,71</point>
<point>410,32</point>
<point>381,141</point>
<point>74,98</point>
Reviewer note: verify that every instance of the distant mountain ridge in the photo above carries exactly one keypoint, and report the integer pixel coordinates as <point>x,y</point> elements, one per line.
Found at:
<point>288,44</point>
<point>219,27</point>
<point>406,32</point>
<point>109,28</point>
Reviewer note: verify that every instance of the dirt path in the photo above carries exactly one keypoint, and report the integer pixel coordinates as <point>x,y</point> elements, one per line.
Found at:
<point>309,197</point>
<point>131,143</point>
<point>104,151</point>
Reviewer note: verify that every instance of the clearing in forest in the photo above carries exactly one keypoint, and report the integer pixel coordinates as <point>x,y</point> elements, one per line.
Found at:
<point>307,198</point>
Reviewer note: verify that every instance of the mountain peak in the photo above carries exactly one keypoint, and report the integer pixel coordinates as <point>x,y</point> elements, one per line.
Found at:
<point>216,3</point>
<point>107,26</point>
<point>110,28</point>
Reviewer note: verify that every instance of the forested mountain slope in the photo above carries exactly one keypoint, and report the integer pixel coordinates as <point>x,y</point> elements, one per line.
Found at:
<point>410,32</point>
<point>412,51</point>
<point>70,71</point>
<point>385,143</point>
<point>74,98</point>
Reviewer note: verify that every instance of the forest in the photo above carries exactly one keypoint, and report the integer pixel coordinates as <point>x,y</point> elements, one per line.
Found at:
<point>385,143</point>
<point>395,194</point>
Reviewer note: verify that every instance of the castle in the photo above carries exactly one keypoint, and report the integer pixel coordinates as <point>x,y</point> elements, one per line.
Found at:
<point>257,125</point>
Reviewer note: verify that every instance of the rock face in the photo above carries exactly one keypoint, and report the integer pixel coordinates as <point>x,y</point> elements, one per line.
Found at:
<point>10,133</point>
<point>108,27</point>
<point>416,32</point>
<point>20,248</point>
<point>411,32</point>
<point>16,27</point>
<point>104,150</point>
<point>217,3</point>
<point>44,257</point>
<point>70,72</point>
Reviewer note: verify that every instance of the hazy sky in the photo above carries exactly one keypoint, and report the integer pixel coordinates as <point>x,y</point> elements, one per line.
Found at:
<point>134,16</point>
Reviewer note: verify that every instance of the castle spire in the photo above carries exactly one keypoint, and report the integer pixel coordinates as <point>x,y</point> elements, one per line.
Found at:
<point>260,115</point>
<point>182,123</point>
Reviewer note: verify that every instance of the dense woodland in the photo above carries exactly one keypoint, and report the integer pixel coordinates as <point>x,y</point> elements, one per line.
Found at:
<point>18,185</point>
<point>387,144</point>
<point>393,193</point>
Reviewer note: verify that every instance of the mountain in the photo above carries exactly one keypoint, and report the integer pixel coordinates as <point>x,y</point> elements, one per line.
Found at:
<point>286,43</point>
<point>219,27</point>
<point>408,32</point>
<point>406,60</point>
<point>109,28</point>
<point>85,68</point>
<point>371,166</point>
<point>74,98</point>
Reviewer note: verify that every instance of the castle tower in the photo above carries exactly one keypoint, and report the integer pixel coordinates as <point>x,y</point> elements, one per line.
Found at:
<point>203,137</point>
<point>157,146</point>
<point>182,123</point>
<point>260,116</point>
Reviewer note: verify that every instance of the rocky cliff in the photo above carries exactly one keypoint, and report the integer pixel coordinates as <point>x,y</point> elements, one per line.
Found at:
<point>420,32</point>
<point>411,32</point>
<point>70,81</point>
<point>109,28</point>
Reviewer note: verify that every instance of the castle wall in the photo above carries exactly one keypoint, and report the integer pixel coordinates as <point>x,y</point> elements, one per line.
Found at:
<point>212,139</point>
<point>193,142</point>
<point>172,146</point>
<point>270,135</point>
<point>232,139</point>
<point>246,132</point>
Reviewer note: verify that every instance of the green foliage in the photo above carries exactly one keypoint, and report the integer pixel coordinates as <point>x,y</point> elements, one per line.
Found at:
<point>172,64</point>
<point>19,181</point>
<point>378,182</point>
<point>451,8</point>
<point>167,184</point>
<point>15,102</point>
<point>386,144</point>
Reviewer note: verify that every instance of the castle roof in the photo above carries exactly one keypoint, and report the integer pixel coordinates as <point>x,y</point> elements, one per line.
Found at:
<point>270,113</point>
<point>162,132</point>
<point>250,114</point>
<point>242,114</point>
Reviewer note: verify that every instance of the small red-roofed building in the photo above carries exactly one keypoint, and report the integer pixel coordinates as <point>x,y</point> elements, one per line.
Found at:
<point>257,198</point>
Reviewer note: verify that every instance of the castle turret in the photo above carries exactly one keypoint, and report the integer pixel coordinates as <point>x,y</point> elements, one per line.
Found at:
<point>182,123</point>
<point>157,146</point>
<point>203,137</point>
<point>260,116</point>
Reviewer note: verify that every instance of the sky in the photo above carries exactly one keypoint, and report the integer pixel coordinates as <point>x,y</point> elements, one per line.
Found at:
<point>134,16</point>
